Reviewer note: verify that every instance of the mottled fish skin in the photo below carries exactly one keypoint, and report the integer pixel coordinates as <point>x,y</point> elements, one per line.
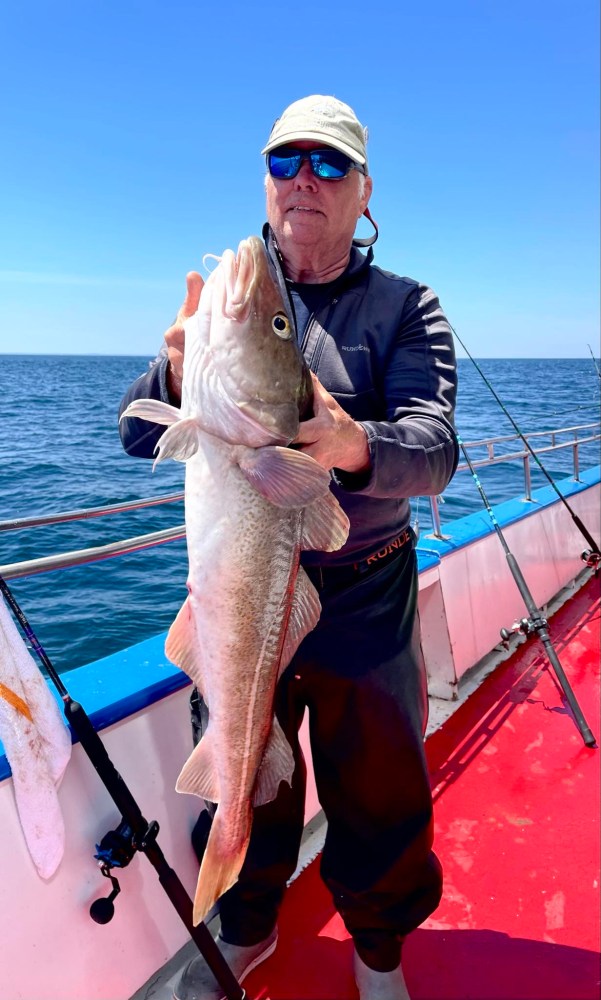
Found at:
<point>252,505</point>
<point>37,744</point>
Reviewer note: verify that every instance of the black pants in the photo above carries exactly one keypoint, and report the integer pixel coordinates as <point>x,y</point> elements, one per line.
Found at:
<point>361,675</point>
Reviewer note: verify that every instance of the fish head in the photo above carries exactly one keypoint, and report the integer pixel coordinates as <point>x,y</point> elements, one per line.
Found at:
<point>254,350</point>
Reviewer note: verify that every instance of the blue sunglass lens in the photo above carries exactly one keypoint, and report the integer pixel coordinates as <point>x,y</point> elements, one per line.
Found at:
<point>328,164</point>
<point>284,166</point>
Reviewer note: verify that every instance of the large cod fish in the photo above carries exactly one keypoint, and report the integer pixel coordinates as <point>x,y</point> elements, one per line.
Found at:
<point>252,505</point>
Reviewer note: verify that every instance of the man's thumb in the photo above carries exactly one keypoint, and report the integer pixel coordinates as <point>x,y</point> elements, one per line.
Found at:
<point>194,284</point>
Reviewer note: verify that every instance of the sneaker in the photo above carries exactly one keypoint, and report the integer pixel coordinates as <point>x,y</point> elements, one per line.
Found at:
<point>198,982</point>
<point>374,985</point>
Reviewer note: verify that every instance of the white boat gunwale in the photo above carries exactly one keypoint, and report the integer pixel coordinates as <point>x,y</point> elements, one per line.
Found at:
<point>141,675</point>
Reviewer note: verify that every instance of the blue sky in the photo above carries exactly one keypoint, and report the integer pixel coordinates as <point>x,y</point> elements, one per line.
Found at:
<point>131,134</point>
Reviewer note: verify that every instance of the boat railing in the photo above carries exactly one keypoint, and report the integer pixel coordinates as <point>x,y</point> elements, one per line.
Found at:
<point>575,438</point>
<point>497,450</point>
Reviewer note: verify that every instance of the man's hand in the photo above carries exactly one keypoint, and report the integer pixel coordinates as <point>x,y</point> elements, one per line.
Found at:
<point>174,336</point>
<point>331,436</point>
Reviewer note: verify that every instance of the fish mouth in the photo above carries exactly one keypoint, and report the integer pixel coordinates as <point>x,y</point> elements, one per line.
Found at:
<point>242,272</point>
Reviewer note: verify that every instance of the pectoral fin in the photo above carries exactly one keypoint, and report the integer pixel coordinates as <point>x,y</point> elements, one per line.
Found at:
<point>180,441</point>
<point>285,477</point>
<point>153,410</point>
<point>325,525</point>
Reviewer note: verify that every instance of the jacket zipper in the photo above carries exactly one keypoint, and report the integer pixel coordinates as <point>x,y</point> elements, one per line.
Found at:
<point>317,352</point>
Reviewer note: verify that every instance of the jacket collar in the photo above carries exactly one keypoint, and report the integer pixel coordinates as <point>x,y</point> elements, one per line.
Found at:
<point>356,267</point>
<point>358,262</point>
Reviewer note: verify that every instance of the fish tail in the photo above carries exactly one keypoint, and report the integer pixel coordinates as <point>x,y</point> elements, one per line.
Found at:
<point>223,858</point>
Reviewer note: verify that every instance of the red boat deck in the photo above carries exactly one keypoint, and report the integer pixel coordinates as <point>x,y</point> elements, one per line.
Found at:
<point>517,830</point>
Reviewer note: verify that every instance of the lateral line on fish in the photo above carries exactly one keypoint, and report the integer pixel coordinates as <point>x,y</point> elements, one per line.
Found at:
<point>252,703</point>
<point>286,605</point>
<point>250,714</point>
<point>17,703</point>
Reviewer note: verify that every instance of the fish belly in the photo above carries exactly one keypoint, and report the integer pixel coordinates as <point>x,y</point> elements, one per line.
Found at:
<point>243,562</point>
<point>243,559</point>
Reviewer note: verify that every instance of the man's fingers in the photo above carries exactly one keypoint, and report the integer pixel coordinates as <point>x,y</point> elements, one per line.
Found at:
<point>321,397</point>
<point>194,284</point>
<point>317,386</point>
<point>175,335</point>
<point>307,432</point>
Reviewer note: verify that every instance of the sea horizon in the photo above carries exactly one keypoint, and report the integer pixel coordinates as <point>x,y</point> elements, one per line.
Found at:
<point>61,451</point>
<point>460,357</point>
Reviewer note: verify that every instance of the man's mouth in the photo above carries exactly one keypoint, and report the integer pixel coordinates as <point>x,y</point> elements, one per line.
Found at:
<point>303,208</point>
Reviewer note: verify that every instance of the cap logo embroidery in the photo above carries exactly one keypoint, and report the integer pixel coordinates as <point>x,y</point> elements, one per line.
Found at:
<point>325,109</point>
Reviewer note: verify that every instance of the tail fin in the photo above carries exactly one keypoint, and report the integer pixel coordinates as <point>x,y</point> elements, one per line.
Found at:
<point>223,858</point>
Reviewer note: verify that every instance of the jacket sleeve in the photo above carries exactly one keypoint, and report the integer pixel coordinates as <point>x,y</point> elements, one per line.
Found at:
<point>414,452</point>
<point>139,437</point>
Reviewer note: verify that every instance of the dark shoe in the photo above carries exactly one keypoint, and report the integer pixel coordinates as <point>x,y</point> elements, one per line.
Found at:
<point>199,983</point>
<point>374,985</point>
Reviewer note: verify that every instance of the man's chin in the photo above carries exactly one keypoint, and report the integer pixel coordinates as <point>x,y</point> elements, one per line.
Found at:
<point>303,226</point>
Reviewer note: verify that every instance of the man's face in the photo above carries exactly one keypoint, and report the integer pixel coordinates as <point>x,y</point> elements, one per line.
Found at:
<point>307,211</point>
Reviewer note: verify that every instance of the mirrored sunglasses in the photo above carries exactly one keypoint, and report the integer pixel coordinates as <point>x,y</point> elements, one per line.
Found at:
<point>327,164</point>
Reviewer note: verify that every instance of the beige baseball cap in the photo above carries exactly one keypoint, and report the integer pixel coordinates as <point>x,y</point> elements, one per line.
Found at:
<point>321,119</point>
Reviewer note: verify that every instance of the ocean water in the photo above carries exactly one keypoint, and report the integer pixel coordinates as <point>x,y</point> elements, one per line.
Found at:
<point>60,450</point>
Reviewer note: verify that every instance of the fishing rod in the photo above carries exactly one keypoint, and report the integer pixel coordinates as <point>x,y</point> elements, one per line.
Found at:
<point>535,622</point>
<point>591,556</point>
<point>134,833</point>
<point>598,370</point>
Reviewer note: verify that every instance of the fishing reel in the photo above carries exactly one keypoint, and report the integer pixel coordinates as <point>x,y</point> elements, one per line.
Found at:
<point>115,850</point>
<point>591,558</point>
<point>525,625</point>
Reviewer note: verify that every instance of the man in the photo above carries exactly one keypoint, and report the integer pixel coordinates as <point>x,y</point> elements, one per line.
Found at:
<point>382,353</point>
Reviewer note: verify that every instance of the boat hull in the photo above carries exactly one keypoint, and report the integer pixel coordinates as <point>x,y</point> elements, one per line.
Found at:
<point>50,949</point>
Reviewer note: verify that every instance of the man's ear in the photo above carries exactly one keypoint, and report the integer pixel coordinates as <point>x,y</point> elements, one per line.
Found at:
<point>367,189</point>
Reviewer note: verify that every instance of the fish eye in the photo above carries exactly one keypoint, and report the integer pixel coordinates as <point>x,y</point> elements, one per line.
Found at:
<point>281,326</point>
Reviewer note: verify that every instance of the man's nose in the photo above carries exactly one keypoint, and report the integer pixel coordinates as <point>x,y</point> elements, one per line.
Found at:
<point>305,178</point>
